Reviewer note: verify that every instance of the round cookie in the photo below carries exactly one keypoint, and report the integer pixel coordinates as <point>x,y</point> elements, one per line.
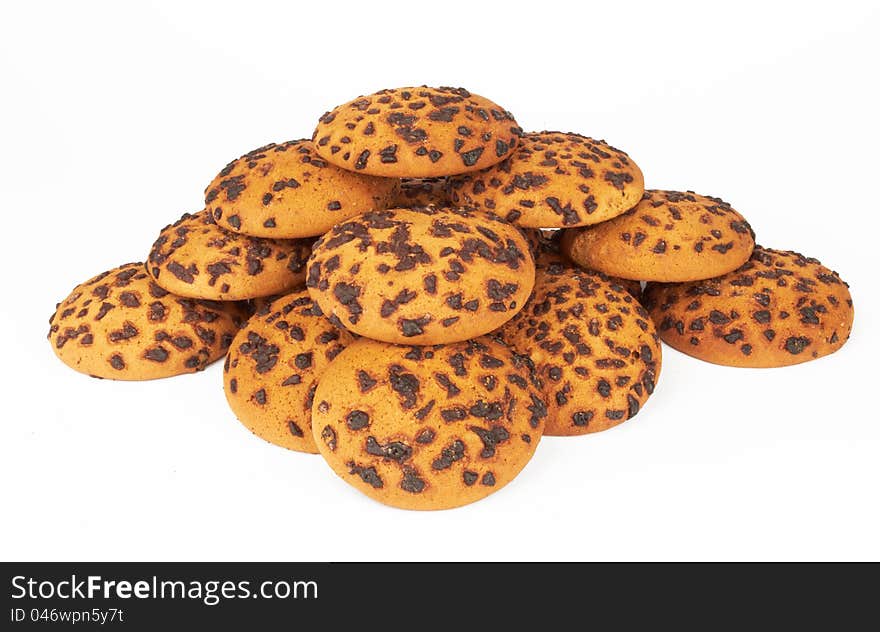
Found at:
<point>420,192</point>
<point>273,365</point>
<point>416,133</point>
<point>287,191</point>
<point>779,308</point>
<point>121,325</point>
<point>428,427</point>
<point>594,347</point>
<point>669,236</point>
<point>554,179</point>
<point>421,276</point>
<point>195,257</point>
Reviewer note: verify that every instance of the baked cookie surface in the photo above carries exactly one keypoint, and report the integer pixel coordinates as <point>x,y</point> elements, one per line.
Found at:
<point>273,365</point>
<point>195,257</point>
<point>669,237</point>
<point>421,276</point>
<point>779,308</point>
<point>121,325</point>
<point>416,133</point>
<point>285,191</point>
<point>554,179</point>
<point>594,346</point>
<point>420,192</point>
<point>428,427</point>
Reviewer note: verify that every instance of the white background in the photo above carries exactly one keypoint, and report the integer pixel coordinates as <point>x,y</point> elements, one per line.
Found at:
<point>114,116</point>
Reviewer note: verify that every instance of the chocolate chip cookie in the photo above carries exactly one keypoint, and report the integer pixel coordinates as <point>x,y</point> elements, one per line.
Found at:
<point>779,308</point>
<point>421,276</point>
<point>195,257</point>
<point>554,179</point>
<point>428,427</point>
<point>669,236</point>
<point>121,325</point>
<point>416,133</point>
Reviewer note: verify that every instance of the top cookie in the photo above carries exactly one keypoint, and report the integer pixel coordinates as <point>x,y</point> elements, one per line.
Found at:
<point>194,257</point>
<point>421,276</point>
<point>669,236</point>
<point>554,180</point>
<point>779,308</point>
<point>288,191</point>
<point>416,133</point>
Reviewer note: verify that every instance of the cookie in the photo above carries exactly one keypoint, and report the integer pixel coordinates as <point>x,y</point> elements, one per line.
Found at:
<point>416,133</point>
<point>594,346</point>
<point>121,325</point>
<point>421,276</point>
<point>779,308</point>
<point>273,365</point>
<point>428,427</point>
<point>420,192</point>
<point>554,179</point>
<point>195,257</point>
<point>287,191</point>
<point>668,237</point>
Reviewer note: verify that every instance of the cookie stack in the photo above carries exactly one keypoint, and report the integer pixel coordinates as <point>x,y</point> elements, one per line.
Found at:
<point>422,291</point>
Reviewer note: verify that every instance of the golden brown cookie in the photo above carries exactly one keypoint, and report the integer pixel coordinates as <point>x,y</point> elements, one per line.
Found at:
<point>195,257</point>
<point>669,236</point>
<point>428,427</point>
<point>554,179</point>
<point>420,192</point>
<point>273,365</point>
<point>416,133</point>
<point>421,276</point>
<point>121,325</point>
<point>287,191</point>
<point>594,347</point>
<point>779,308</point>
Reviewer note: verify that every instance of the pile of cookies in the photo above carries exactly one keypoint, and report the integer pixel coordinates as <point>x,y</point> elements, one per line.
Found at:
<point>421,291</point>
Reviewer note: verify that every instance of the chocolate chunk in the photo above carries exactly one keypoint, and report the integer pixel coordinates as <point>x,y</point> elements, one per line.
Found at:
<point>490,438</point>
<point>470,158</point>
<point>357,420</point>
<point>450,454</point>
<point>329,437</point>
<point>361,162</point>
<point>413,326</point>
<point>796,344</point>
<point>393,451</point>
<point>406,385</point>
<point>156,354</point>
<point>425,436</point>
<point>367,474</point>
<point>582,418</point>
<point>412,482</point>
<point>365,381</point>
